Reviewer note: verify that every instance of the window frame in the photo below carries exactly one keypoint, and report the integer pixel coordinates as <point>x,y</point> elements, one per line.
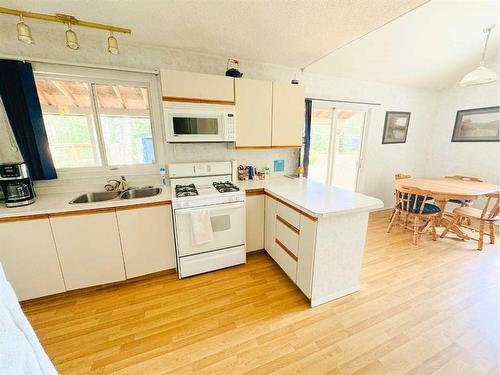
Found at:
<point>94,76</point>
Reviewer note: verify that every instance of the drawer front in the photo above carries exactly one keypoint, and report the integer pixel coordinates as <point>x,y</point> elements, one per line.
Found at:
<point>288,214</point>
<point>286,261</point>
<point>287,236</point>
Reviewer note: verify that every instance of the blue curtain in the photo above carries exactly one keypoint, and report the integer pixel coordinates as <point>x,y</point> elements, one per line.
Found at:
<point>307,136</point>
<point>20,99</point>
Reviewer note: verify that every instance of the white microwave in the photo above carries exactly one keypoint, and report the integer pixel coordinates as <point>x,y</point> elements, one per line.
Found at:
<point>190,122</point>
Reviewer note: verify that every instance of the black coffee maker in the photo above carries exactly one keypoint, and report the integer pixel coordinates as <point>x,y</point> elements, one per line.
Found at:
<point>16,185</point>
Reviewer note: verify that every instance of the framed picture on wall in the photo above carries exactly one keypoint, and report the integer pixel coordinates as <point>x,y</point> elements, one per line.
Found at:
<point>477,125</point>
<point>396,127</point>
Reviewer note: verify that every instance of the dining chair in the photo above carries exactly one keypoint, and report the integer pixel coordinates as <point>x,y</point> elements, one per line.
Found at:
<point>397,176</point>
<point>463,202</point>
<point>486,215</point>
<point>412,205</point>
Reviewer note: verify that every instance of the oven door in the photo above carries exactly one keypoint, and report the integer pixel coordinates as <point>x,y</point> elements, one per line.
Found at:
<point>228,225</point>
<point>186,126</point>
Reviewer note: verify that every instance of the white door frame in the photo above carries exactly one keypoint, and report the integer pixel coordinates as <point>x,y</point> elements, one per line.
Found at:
<point>335,107</point>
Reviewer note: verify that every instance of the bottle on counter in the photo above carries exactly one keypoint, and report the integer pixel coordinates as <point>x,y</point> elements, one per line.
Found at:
<point>163,178</point>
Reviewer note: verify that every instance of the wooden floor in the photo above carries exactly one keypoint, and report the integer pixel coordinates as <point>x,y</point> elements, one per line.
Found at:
<point>431,309</point>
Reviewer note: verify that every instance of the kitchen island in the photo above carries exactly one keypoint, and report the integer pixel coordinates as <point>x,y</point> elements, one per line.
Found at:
<point>315,233</point>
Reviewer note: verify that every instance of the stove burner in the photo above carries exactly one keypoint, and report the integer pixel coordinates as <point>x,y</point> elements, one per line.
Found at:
<point>185,190</point>
<point>225,187</point>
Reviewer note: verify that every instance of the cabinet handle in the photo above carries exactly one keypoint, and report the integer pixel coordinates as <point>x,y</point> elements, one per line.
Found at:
<point>292,255</point>
<point>296,230</point>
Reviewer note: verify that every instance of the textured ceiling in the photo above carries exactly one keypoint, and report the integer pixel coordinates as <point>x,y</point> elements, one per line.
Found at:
<point>430,47</point>
<point>283,32</point>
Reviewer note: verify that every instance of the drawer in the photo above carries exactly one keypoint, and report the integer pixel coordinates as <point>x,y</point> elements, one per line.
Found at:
<point>287,236</point>
<point>286,261</point>
<point>288,214</point>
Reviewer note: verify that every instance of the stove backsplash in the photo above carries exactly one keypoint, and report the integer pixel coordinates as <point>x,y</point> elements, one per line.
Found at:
<point>179,153</point>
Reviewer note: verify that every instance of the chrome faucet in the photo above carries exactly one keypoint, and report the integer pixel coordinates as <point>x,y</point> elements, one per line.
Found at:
<point>117,185</point>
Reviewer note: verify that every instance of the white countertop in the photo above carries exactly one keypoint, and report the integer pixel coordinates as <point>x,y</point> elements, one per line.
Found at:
<point>312,197</point>
<point>52,203</point>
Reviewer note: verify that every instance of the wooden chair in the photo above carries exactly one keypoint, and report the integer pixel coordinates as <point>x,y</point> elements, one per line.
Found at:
<point>398,176</point>
<point>486,215</point>
<point>412,205</point>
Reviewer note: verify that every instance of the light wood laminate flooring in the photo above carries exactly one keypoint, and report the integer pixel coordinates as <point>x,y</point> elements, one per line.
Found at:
<point>426,309</point>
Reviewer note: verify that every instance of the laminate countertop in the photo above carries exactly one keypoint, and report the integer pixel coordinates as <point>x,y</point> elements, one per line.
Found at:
<point>314,198</point>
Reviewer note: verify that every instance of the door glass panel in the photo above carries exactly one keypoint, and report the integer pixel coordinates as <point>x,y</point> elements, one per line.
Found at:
<point>195,126</point>
<point>348,135</point>
<point>321,125</point>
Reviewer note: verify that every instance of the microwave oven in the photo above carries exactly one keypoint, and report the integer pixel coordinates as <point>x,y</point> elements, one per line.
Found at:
<point>190,122</point>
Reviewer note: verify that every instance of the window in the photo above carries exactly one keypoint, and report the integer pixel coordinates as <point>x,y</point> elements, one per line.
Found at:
<point>93,123</point>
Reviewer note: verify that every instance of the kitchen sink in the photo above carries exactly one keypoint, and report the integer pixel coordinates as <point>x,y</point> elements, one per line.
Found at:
<point>140,193</point>
<point>101,196</point>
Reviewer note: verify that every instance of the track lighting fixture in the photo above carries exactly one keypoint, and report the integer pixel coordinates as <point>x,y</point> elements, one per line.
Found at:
<point>112,44</point>
<point>24,31</point>
<point>25,36</point>
<point>71,38</point>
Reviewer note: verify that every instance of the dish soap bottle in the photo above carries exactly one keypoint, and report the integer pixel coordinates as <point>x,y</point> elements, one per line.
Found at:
<point>163,178</point>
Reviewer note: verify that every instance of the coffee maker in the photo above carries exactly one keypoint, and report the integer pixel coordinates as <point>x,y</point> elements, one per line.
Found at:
<point>16,185</point>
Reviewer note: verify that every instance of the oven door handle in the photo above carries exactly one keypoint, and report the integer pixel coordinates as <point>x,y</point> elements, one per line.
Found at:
<point>218,208</point>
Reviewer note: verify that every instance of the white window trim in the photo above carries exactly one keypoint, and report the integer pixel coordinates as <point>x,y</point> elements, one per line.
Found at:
<point>105,76</point>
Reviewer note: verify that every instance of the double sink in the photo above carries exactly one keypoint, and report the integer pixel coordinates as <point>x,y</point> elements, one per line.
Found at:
<point>101,196</point>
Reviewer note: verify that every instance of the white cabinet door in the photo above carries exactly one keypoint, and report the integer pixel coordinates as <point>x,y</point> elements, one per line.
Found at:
<point>190,86</point>
<point>288,115</point>
<point>253,112</point>
<point>255,222</point>
<point>89,248</point>
<point>147,239</point>
<point>307,243</point>
<point>29,258</point>
<point>270,226</point>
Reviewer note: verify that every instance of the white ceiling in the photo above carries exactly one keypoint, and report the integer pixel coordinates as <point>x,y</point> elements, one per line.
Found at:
<point>432,46</point>
<point>283,32</point>
<point>429,45</point>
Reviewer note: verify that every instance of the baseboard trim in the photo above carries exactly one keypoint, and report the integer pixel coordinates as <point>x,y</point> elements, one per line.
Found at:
<point>342,293</point>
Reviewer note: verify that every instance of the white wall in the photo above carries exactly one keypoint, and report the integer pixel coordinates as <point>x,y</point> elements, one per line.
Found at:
<point>462,158</point>
<point>381,161</point>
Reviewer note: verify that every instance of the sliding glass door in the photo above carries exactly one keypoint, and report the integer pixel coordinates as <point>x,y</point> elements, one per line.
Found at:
<point>336,143</point>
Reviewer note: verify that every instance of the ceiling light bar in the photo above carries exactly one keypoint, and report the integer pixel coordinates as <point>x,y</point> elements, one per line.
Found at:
<point>63,18</point>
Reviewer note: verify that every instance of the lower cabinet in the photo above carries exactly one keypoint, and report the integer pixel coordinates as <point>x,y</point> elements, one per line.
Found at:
<point>147,239</point>
<point>29,258</point>
<point>270,226</point>
<point>255,222</point>
<point>89,248</point>
<point>290,239</point>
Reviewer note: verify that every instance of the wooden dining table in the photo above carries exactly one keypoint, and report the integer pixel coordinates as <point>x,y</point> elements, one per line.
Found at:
<point>443,189</point>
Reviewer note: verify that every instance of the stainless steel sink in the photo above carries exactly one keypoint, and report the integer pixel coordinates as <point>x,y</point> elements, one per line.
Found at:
<point>99,196</point>
<point>140,193</point>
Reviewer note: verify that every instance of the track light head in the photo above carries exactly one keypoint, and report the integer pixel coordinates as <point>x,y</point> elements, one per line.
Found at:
<point>24,32</point>
<point>71,38</point>
<point>113,44</point>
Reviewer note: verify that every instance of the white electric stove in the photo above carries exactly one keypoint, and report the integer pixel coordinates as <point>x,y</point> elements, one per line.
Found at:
<point>207,188</point>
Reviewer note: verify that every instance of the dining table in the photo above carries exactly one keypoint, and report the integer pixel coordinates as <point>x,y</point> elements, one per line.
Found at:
<point>444,189</point>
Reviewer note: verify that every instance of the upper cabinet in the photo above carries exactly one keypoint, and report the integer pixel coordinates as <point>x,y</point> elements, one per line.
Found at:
<point>253,112</point>
<point>288,115</point>
<point>196,87</point>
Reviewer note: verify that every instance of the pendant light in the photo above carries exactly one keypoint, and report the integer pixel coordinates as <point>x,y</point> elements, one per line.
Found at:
<point>71,38</point>
<point>24,32</point>
<point>113,44</point>
<point>481,74</point>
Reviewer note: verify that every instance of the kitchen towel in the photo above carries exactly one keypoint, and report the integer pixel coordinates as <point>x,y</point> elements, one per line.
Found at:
<point>201,226</point>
